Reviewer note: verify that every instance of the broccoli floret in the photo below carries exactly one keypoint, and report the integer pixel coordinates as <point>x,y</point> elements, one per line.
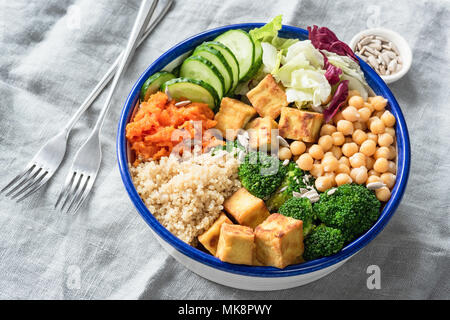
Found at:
<point>261,174</point>
<point>323,241</point>
<point>351,208</point>
<point>293,181</point>
<point>300,209</point>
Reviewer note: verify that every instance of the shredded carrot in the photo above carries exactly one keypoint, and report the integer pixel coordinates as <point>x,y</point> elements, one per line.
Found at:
<point>158,126</point>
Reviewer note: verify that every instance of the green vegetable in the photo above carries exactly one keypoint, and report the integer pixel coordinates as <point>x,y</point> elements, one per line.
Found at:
<point>352,208</point>
<point>323,241</point>
<point>300,209</point>
<point>229,146</point>
<point>261,174</point>
<point>293,181</point>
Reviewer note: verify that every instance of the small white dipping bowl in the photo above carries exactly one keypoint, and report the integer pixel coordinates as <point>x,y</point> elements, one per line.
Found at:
<point>397,40</point>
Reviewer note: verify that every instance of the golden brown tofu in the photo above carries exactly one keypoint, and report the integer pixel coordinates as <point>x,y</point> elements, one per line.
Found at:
<point>260,132</point>
<point>279,241</point>
<point>236,244</point>
<point>247,209</point>
<point>300,125</point>
<point>268,97</point>
<point>232,116</point>
<point>210,237</point>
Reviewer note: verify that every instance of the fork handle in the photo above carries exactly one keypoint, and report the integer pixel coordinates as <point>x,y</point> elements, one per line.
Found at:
<point>110,73</point>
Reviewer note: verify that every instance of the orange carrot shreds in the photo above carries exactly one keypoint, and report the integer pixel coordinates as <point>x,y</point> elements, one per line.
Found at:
<point>159,125</point>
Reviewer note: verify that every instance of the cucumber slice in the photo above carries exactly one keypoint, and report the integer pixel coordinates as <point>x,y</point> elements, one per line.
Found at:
<point>219,61</point>
<point>257,62</point>
<point>229,56</point>
<point>153,83</point>
<point>196,67</point>
<point>243,48</point>
<point>194,90</point>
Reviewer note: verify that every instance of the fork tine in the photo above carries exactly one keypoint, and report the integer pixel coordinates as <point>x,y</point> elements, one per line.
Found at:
<point>65,189</point>
<point>18,177</point>
<point>39,182</point>
<point>36,179</point>
<point>70,194</point>
<point>84,195</point>
<point>27,179</point>
<point>79,192</point>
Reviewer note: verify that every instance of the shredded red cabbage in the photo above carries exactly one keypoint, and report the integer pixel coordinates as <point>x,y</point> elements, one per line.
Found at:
<point>324,39</point>
<point>337,102</point>
<point>332,72</point>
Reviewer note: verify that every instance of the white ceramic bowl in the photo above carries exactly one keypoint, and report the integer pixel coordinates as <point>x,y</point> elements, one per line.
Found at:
<point>400,43</point>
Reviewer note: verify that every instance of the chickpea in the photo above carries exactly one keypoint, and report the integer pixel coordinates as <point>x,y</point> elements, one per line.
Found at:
<point>350,113</point>
<point>316,151</point>
<point>359,136</point>
<point>345,126</point>
<point>378,114</point>
<point>297,147</point>
<point>359,175</point>
<point>317,170</point>
<point>388,179</point>
<point>364,114</point>
<point>381,165</point>
<point>392,153</point>
<point>368,147</point>
<point>372,172</point>
<point>327,129</point>
<point>337,152</point>
<point>343,178</point>
<point>330,163</point>
<point>305,162</point>
<point>326,142</point>
<point>382,152</point>
<point>332,176</point>
<point>388,119</point>
<point>337,117</point>
<point>369,163</point>
<point>344,160</point>
<point>385,140</point>
<point>392,167</point>
<point>284,153</point>
<point>338,138</point>
<point>372,136</point>
<point>323,183</point>
<point>349,149</point>
<point>377,126</point>
<point>383,194</point>
<point>360,125</point>
<point>369,106</point>
<point>373,178</point>
<point>390,131</point>
<point>352,93</point>
<point>379,103</point>
<point>343,168</point>
<point>356,101</point>
<point>358,160</point>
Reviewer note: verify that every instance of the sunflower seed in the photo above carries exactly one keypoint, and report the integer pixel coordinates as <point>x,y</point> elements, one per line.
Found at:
<point>375,185</point>
<point>282,141</point>
<point>331,191</point>
<point>296,194</point>
<point>312,195</point>
<point>282,189</point>
<point>182,103</point>
<point>286,162</point>
<point>392,66</point>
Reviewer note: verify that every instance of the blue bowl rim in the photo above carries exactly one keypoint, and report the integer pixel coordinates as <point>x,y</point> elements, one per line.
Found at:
<point>403,168</point>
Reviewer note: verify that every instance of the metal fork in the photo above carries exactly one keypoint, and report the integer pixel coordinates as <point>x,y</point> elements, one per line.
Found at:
<point>47,160</point>
<point>87,160</point>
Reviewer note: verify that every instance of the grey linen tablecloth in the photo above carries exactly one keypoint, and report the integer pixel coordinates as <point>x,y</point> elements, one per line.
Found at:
<point>53,52</point>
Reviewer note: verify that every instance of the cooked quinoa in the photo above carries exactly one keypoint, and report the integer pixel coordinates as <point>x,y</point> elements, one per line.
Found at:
<point>187,196</point>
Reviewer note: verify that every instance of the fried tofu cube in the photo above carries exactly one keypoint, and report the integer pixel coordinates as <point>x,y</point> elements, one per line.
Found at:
<point>268,97</point>
<point>236,244</point>
<point>210,237</point>
<point>260,132</point>
<point>247,209</point>
<point>300,125</point>
<point>279,241</point>
<point>232,116</point>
